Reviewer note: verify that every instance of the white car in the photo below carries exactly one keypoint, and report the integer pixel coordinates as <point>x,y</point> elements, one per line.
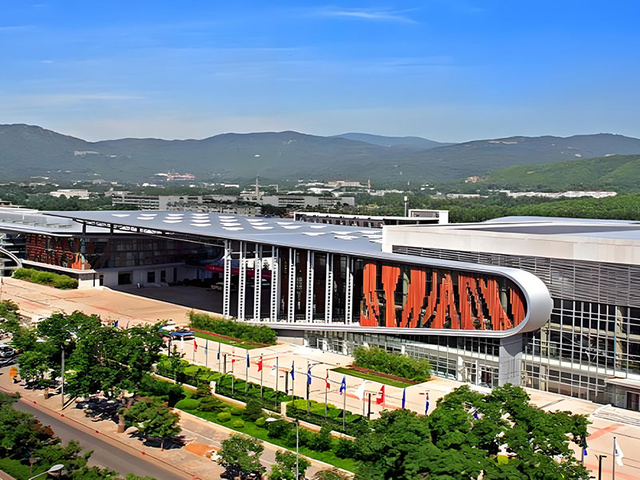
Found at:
<point>6,351</point>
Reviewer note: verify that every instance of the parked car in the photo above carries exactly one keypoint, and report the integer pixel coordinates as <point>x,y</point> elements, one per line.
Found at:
<point>6,351</point>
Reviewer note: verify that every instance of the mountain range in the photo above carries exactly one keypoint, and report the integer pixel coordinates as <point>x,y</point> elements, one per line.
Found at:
<point>28,151</point>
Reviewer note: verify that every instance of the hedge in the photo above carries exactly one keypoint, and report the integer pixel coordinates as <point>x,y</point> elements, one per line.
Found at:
<point>376,358</point>
<point>354,424</point>
<point>269,399</point>
<point>232,328</point>
<point>64,282</point>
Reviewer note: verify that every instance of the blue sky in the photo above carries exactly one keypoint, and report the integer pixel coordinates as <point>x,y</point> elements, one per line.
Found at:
<point>448,70</point>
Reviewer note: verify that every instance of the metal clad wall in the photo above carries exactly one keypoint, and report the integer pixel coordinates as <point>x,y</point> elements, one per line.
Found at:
<point>612,283</point>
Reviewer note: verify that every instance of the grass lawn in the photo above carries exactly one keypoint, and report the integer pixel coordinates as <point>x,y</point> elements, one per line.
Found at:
<point>18,470</point>
<point>227,341</point>
<point>253,430</point>
<point>373,377</point>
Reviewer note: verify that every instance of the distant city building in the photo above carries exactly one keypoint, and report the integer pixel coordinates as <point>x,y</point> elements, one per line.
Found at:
<point>416,217</point>
<point>303,201</point>
<point>198,203</point>
<point>176,177</point>
<point>79,193</point>
<point>567,194</point>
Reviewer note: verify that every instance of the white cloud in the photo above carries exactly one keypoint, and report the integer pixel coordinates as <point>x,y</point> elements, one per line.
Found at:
<point>386,15</point>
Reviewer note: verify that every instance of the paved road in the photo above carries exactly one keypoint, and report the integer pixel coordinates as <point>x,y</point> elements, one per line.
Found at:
<point>106,452</point>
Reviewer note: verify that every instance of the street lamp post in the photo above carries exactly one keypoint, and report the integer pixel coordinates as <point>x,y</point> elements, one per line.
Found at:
<point>62,384</point>
<point>600,457</point>
<point>57,468</point>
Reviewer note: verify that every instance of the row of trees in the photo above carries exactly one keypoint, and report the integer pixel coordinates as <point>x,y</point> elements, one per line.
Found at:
<point>376,358</point>
<point>99,358</point>
<point>23,437</point>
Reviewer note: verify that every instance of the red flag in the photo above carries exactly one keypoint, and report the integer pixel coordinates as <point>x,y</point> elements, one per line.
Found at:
<point>328,384</point>
<point>233,356</point>
<point>380,396</point>
<point>260,364</point>
<point>195,345</point>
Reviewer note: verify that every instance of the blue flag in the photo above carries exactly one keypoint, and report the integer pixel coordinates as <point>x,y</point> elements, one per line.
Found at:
<point>218,354</point>
<point>293,371</point>
<point>247,360</point>
<point>474,412</point>
<point>584,452</point>
<point>404,397</point>
<point>343,385</point>
<point>309,376</point>
<point>115,324</point>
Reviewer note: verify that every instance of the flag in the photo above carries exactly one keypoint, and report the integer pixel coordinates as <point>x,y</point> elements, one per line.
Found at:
<point>360,390</point>
<point>293,371</point>
<point>584,452</point>
<point>474,412</point>
<point>426,406</point>
<point>380,397</point>
<point>115,324</point>
<point>309,376</point>
<point>404,397</point>
<point>247,359</point>
<point>617,452</point>
<point>233,357</point>
<point>219,351</point>
<point>195,345</point>
<point>260,364</point>
<point>326,381</point>
<point>127,324</point>
<point>343,385</point>
<point>274,369</point>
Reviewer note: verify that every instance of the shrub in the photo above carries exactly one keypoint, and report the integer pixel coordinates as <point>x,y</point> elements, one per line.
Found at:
<point>278,429</point>
<point>237,411</point>
<point>345,448</point>
<point>253,411</point>
<point>46,278</point>
<point>232,328</point>
<point>188,404</point>
<point>321,441</point>
<point>376,358</point>
<point>238,424</point>
<point>203,390</point>
<point>261,422</point>
<point>209,404</point>
<point>223,417</point>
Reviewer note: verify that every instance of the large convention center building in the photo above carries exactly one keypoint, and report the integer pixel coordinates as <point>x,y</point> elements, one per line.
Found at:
<point>548,303</point>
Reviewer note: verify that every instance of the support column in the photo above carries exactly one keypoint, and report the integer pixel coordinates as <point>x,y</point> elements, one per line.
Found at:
<point>226,289</point>
<point>348,301</point>
<point>328,290</point>
<point>309,295</point>
<point>275,285</point>
<point>257,283</point>
<point>510,360</point>
<point>242,279</point>
<point>291,306</point>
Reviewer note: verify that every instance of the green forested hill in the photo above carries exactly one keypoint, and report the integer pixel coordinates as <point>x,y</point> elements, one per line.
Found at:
<point>615,172</point>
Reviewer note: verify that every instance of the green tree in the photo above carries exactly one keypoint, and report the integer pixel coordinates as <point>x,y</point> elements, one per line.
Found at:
<point>240,455</point>
<point>33,365</point>
<point>285,466</point>
<point>153,419</point>
<point>21,433</point>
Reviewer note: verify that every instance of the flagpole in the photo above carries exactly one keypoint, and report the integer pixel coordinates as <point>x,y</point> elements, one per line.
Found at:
<point>246,375</point>
<point>308,378</point>
<point>220,358</point>
<point>615,458</point>
<point>277,375</point>
<point>326,393</point>
<point>195,343</point>
<point>344,406</point>
<point>206,353</point>
<point>261,372</point>
<point>293,380</point>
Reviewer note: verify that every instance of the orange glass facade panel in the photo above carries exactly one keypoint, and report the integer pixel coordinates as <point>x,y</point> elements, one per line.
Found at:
<point>415,297</point>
